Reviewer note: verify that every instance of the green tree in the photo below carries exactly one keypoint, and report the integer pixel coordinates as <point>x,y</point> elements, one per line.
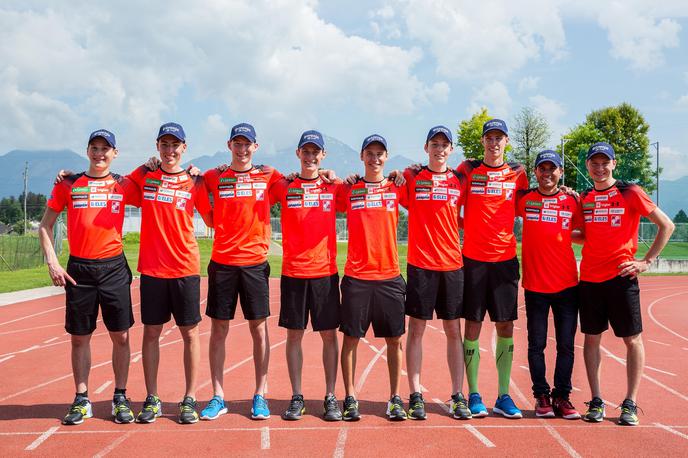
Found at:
<point>276,210</point>
<point>11,211</point>
<point>529,136</point>
<point>469,133</point>
<point>681,217</point>
<point>625,128</point>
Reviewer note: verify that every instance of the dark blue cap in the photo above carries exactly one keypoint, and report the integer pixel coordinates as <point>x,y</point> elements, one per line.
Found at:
<point>373,139</point>
<point>495,124</point>
<point>105,135</point>
<point>243,130</point>
<point>548,156</point>
<point>439,130</point>
<point>312,136</point>
<point>174,129</point>
<point>601,148</point>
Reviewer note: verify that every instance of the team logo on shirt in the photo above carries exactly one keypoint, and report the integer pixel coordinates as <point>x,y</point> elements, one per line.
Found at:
<point>327,205</point>
<point>454,200</point>
<point>509,194</point>
<point>565,223</point>
<point>616,220</point>
<point>390,205</point>
<point>97,204</point>
<point>260,194</point>
<point>181,204</point>
<point>114,207</point>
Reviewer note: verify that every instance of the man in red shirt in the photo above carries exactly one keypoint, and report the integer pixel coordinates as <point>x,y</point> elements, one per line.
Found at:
<point>490,264</point>
<point>97,272</point>
<point>372,287</point>
<point>169,263</point>
<point>435,266</point>
<point>609,289</point>
<point>551,220</point>
<point>309,282</point>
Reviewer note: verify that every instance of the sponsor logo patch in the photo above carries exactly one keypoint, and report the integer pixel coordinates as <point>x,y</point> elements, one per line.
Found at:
<point>150,188</point>
<point>423,196</point>
<point>79,196</point>
<point>601,198</point>
<point>294,204</point>
<point>97,204</point>
<point>616,220</point>
<point>81,190</point>
<point>81,204</point>
<point>228,180</point>
<point>115,206</point>
<point>439,197</point>
<point>99,196</point>
<point>166,199</point>
<point>181,204</point>
<point>166,192</point>
<point>226,194</point>
<point>153,181</point>
<point>148,196</point>
<point>549,219</point>
<point>244,193</point>
<point>600,219</point>
<point>617,211</point>
<point>374,204</point>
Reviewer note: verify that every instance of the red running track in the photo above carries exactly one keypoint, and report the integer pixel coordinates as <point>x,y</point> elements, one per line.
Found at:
<point>36,388</point>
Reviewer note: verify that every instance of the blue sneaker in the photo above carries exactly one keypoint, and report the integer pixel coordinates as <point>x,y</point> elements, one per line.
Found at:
<point>215,408</point>
<point>505,406</point>
<point>475,403</point>
<point>260,410</point>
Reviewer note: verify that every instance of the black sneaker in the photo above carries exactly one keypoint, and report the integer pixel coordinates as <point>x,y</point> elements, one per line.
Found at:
<point>187,411</point>
<point>121,409</point>
<point>395,409</point>
<point>595,413</point>
<point>458,407</point>
<point>351,412</point>
<point>416,407</point>
<point>152,409</point>
<point>296,408</point>
<point>629,413</point>
<point>332,412</point>
<point>78,411</point>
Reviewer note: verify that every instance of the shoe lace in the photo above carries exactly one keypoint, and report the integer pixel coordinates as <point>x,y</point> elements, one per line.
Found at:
<point>260,403</point>
<point>78,406</point>
<point>331,402</point>
<point>122,404</point>
<point>295,405</point>
<point>150,404</point>
<point>594,405</point>
<point>349,403</point>
<point>214,403</point>
<point>187,406</point>
<point>630,408</point>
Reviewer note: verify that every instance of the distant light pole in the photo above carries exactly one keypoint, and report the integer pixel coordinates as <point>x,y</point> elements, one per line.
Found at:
<point>564,140</point>
<point>26,180</point>
<point>656,145</point>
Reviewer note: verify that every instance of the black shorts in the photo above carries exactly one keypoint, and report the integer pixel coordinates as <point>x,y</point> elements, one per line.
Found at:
<point>320,296</point>
<point>98,281</point>
<point>249,284</point>
<point>162,298</point>
<point>376,302</point>
<point>491,287</point>
<point>615,302</point>
<point>434,290</point>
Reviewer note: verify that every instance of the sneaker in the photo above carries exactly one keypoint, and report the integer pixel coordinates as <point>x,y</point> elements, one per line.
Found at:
<point>629,413</point>
<point>505,406</point>
<point>458,407</point>
<point>475,403</point>
<point>331,406</point>
<point>187,411</point>
<point>296,408</point>
<point>152,409</point>
<point>595,411</point>
<point>215,408</point>
<point>563,408</point>
<point>121,409</point>
<point>395,409</point>
<point>351,412</point>
<point>416,407</point>
<point>79,410</point>
<point>543,406</point>
<point>260,410</point>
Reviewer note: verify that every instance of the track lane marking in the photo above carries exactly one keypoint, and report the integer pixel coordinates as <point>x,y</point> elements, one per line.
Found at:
<point>470,428</point>
<point>341,442</point>
<point>265,438</point>
<point>652,316</point>
<point>671,430</point>
<point>2,360</point>
<point>113,445</point>
<point>42,438</point>
<point>102,387</point>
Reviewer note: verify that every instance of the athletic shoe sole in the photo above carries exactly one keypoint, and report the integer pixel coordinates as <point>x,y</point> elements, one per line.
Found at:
<point>221,412</point>
<point>480,414</point>
<point>593,420</point>
<point>411,417</point>
<point>396,417</point>
<point>351,418</point>
<point>545,415</point>
<point>187,422</point>
<point>259,417</point>
<point>575,416</point>
<point>628,423</point>
<point>499,411</point>
<point>284,417</point>
<point>124,422</point>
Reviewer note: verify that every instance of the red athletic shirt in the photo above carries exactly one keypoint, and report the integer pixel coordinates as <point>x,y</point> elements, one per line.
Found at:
<point>95,212</point>
<point>168,246</point>
<point>548,261</point>
<point>611,221</point>
<point>372,213</point>
<point>309,236</point>
<point>241,214</point>
<point>433,220</point>
<point>489,209</point>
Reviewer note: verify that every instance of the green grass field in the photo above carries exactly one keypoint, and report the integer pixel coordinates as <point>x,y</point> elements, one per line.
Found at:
<point>38,276</point>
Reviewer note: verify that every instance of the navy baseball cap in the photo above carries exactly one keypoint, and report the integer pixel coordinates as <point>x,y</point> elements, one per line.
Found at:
<point>548,156</point>
<point>312,136</point>
<point>439,130</point>
<point>601,148</point>
<point>105,135</point>
<point>372,139</point>
<point>174,129</point>
<point>243,130</point>
<point>495,124</point>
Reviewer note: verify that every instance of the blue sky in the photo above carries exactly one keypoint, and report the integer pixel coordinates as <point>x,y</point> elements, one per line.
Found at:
<point>347,68</point>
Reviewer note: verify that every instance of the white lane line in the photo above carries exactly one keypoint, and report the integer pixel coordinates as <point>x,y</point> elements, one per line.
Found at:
<point>6,358</point>
<point>525,368</point>
<point>480,436</point>
<point>113,445</point>
<point>623,360</point>
<point>569,449</point>
<point>15,331</point>
<point>136,358</point>
<point>611,404</point>
<point>671,430</point>
<point>659,343</point>
<point>265,438</point>
<point>50,340</point>
<point>102,387</point>
<point>369,368</point>
<point>341,443</point>
<point>652,316</point>
<point>33,315</point>
<point>517,328</point>
<point>482,349</point>
<point>26,350</point>
<point>578,346</point>
<point>42,438</point>
<point>431,326</point>
<point>441,404</point>
<point>575,388</point>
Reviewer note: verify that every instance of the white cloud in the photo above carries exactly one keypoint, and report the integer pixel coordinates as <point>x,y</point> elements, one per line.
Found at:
<point>494,96</point>
<point>553,111</point>
<point>528,84</point>
<point>673,163</point>
<point>682,102</point>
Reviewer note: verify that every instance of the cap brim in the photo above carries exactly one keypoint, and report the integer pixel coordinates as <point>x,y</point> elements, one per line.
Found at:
<point>109,142</point>
<point>247,137</point>
<point>301,145</point>
<point>496,128</point>
<point>607,155</point>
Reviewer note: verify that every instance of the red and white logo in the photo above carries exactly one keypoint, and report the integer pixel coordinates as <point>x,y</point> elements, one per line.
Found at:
<point>115,206</point>
<point>616,220</point>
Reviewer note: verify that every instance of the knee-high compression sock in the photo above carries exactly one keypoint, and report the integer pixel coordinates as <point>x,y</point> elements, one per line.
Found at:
<point>504,354</point>
<point>471,356</point>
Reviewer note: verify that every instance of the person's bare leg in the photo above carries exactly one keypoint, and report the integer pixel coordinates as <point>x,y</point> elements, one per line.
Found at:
<point>150,351</point>
<point>593,361</point>
<point>349,346</point>
<point>295,359</point>
<point>121,354</point>
<point>330,356</point>
<point>261,353</point>
<point>635,362</point>
<point>452,330</point>
<point>192,357</point>
<point>81,361</point>
<point>216,354</point>
<point>394,361</point>
<point>414,352</point>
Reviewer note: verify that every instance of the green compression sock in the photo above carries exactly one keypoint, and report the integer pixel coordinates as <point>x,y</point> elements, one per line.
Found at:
<point>504,354</point>
<point>471,354</point>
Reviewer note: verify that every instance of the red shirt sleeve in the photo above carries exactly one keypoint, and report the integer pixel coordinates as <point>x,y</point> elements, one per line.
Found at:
<point>520,194</point>
<point>577,220</point>
<point>522,180</point>
<point>58,197</point>
<point>132,192</point>
<point>201,199</point>
<point>275,177</point>
<point>341,202</point>
<point>403,196</point>
<point>278,190</point>
<point>641,201</point>
<point>138,174</point>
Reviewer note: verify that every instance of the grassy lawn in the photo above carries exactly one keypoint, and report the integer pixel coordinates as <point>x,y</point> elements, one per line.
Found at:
<point>38,276</point>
